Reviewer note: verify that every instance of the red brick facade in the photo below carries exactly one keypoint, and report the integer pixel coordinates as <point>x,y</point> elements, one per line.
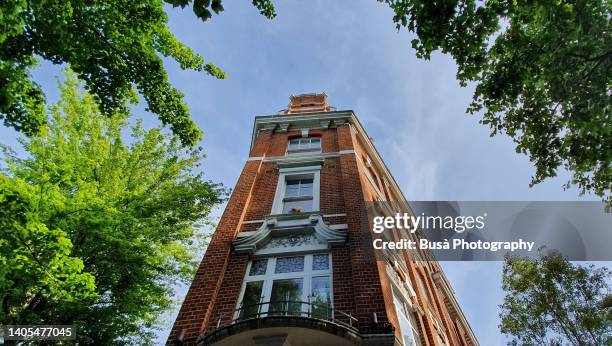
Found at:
<point>361,285</point>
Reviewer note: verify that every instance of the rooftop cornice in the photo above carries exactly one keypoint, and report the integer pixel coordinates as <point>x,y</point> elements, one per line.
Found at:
<point>271,122</point>
<point>304,116</point>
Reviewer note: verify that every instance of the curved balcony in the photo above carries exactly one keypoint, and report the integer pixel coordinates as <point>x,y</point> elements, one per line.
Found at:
<point>287,322</point>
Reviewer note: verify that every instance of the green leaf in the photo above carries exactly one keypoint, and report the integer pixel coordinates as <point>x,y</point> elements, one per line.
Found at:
<point>542,76</point>
<point>114,46</point>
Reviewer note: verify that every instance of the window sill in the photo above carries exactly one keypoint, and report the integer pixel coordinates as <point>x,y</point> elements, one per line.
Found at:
<point>303,151</point>
<point>297,198</point>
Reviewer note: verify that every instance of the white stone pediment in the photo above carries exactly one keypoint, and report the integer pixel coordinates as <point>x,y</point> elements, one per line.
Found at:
<point>290,234</point>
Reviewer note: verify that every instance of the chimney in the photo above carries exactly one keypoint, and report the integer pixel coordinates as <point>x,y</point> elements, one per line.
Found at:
<point>308,103</point>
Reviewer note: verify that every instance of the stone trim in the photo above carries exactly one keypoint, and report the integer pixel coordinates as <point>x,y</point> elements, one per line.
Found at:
<point>282,225</point>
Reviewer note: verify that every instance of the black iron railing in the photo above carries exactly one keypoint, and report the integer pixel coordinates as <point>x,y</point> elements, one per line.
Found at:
<point>291,308</point>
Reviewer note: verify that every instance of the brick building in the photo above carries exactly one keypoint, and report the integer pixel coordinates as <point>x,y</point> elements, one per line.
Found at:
<point>291,261</point>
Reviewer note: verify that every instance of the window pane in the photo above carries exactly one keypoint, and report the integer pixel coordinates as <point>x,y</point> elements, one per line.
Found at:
<point>250,301</point>
<point>306,190</point>
<point>305,144</point>
<point>289,264</point>
<point>295,206</point>
<point>406,327</point>
<point>286,297</point>
<point>293,188</point>
<point>294,144</point>
<point>315,143</point>
<point>321,297</point>
<point>306,187</point>
<point>320,262</point>
<point>258,267</point>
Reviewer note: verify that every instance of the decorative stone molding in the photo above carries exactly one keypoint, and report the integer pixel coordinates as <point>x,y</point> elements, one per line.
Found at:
<point>282,127</point>
<point>279,226</point>
<point>269,127</point>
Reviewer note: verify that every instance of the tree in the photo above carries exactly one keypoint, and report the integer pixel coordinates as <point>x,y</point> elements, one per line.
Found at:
<point>113,46</point>
<point>97,229</point>
<point>550,301</point>
<point>36,263</point>
<point>542,75</point>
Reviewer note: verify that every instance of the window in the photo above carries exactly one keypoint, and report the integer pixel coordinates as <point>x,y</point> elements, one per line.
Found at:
<point>320,262</point>
<point>301,145</point>
<point>298,189</point>
<point>320,297</point>
<point>440,338</point>
<point>258,267</point>
<point>250,300</point>
<point>423,287</point>
<point>286,297</point>
<point>298,196</point>
<point>289,264</point>
<point>407,322</point>
<point>386,190</point>
<point>290,285</point>
<point>374,176</point>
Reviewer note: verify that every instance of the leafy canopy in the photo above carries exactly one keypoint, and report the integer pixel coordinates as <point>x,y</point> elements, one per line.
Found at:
<point>96,229</point>
<point>36,263</point>
<point>542,75</point>
<point>114,46</point>
<point>550,301</point>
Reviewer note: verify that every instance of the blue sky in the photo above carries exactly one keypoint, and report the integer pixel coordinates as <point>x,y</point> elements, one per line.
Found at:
<point>414,110</point>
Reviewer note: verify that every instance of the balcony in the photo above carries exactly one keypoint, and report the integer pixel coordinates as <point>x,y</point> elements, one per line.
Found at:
<point>286,322</point>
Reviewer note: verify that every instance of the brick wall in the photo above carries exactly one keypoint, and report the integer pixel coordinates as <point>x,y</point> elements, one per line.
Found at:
<point>197,306</point>
<point>332,201</point>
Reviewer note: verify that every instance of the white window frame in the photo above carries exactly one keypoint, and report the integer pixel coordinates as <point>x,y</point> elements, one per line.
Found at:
<point>304,150</point>
<point>439,330</point>
<point>308,172</point>
<point>268,279</point>
<point>404,312</point>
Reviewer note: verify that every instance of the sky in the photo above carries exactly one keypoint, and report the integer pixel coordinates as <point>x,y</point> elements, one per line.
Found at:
<point>413,109</point>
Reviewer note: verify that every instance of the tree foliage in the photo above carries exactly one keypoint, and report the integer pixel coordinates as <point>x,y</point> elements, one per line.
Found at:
<point>542,75</point>
<point>550,301</point>
<point>97,228</point>
<point>36,263</point>
<point>114,46</point>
